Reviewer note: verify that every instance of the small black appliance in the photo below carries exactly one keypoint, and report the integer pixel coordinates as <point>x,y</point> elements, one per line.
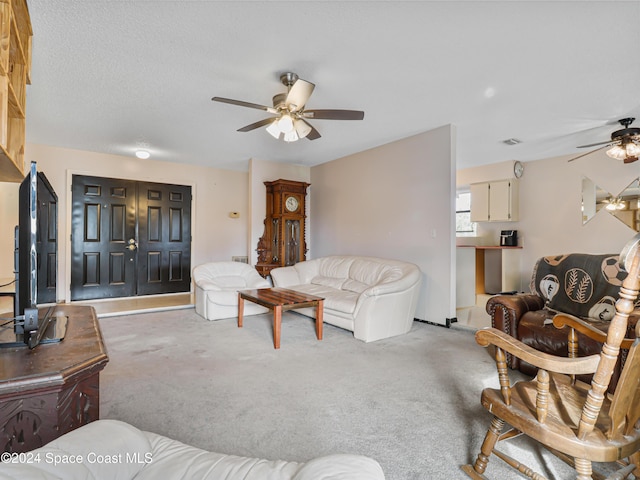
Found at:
<point>509,238</point>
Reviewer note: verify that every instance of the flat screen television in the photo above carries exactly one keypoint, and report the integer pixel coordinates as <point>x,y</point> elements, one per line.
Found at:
<point>35,265</point>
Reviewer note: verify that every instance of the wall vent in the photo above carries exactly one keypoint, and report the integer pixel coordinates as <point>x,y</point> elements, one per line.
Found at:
<point>512,141</point>
<point>244,259</point>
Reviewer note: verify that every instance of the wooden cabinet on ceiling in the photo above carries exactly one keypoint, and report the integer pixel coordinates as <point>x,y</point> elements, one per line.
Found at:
<point>15,75</point>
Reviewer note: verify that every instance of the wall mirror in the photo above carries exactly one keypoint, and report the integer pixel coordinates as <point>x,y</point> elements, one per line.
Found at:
<point>623,206</point>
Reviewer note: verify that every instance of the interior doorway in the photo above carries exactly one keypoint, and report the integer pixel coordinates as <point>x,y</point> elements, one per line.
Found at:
<point>129,238</point>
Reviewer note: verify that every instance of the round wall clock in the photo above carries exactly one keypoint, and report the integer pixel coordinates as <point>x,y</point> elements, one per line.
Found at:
<point>518,169</point>
<point>291,203</point>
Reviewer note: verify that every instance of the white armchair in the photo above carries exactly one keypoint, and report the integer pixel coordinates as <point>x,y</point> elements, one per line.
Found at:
<point>217,285</point>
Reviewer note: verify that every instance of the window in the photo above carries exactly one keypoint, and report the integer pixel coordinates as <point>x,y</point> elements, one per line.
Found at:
<point>464,226</point>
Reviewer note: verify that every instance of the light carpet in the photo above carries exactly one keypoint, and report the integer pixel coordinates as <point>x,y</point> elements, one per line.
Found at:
<point>411,402</point>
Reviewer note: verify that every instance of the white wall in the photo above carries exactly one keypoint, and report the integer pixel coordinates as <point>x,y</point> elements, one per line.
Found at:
<point>550,207</point>
<point>261,171</point>
<point>216,193</point>
<point>394,201</point>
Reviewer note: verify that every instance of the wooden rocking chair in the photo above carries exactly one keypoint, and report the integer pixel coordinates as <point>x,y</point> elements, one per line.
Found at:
<point>579,423</point>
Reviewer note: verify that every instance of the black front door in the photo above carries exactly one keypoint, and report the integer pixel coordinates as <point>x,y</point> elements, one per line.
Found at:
<point>164,233</point>
<point>129,238</point>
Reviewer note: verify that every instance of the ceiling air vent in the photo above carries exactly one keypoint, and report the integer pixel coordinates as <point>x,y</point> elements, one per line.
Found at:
<point>512,141</point>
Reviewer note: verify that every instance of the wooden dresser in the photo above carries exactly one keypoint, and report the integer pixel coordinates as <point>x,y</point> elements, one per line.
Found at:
<point>54,388</point>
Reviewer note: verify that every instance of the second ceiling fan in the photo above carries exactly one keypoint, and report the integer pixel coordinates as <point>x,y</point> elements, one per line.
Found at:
<point>290,121</point>
<point>624,143</point>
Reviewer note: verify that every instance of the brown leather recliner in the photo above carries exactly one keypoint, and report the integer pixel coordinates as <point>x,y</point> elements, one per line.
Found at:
<point>583,285</point>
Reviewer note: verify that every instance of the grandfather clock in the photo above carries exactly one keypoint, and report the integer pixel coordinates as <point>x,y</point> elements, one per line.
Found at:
<point>283,243</point>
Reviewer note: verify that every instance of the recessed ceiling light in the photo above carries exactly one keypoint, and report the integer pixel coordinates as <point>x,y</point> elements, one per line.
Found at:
<point>490,92</point>
<point>143,154</point>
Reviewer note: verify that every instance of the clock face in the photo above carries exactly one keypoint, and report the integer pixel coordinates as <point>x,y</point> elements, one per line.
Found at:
<point>291,204</point>
<point>518,169</point>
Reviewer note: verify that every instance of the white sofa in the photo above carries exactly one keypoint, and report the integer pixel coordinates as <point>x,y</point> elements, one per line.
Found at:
<point>110,449</point>
<point>375,298</point>
<point>217,285</point>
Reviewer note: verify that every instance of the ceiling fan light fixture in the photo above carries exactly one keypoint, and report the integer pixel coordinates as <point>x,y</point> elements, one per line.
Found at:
<point>632,149</point>
<point>302,128</point>
<point>285,123</point>
<point>274,129</point>
<point>617,152</point>
<point>627,150</point>
<point>291,136</point>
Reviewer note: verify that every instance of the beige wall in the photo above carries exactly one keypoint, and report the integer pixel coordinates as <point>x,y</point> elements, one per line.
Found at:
<point>394,201</point>
<point>387,201</point>
<point>216,193</point>
<point>8,221</point>
<point>550,207</point>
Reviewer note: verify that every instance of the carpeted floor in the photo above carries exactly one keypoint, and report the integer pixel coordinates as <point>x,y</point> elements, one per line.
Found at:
<point>411,402</point>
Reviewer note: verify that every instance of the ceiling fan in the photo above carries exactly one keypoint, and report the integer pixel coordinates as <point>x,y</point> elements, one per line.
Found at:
<point>624,143</point>
<point>290,121</point>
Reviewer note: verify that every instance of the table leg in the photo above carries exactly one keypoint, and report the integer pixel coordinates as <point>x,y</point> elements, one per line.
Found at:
<point>319,319</point>
<point>277,322</point>
<point>240,310</point>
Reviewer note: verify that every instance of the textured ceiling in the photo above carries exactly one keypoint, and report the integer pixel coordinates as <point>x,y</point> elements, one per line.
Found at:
<point>110,76</point>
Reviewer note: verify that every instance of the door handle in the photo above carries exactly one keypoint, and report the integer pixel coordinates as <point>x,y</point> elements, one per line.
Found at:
<point>132,244</point>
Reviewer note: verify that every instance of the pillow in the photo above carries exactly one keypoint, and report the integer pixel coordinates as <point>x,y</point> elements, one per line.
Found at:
<point>581,284</point>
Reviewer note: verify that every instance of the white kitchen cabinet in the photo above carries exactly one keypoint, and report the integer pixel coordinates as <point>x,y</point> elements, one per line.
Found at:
<point>495,201</point>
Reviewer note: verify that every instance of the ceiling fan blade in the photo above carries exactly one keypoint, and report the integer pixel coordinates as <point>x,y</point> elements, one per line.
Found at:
<point>588,153</point>
<point>258,124</point>
<point>240,103</point>
<point>608,142</point>
<point>334,114</point>
<point>298,95</point>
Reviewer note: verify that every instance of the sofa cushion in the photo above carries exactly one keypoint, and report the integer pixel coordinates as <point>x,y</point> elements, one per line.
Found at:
<point>223,297</point>
<point>336,267</point>
<point>332,282</point>
<point>369,271</point>
<point>583,285</point>
<point>334,299</point>
<point>337,466</point>
<point>175,460</point>
<point>98,450</point>
<point>110,449</point>
<point>230,281</point>
<point>354,286</point>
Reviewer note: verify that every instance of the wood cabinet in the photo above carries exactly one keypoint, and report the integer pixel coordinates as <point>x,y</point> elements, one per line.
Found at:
<point>52,389</point>
<point>495,201</point>
<point>15,74</point>
<point>283,241</point>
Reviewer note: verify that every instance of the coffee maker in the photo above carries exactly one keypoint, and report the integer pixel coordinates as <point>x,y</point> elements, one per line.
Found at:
<point>509,238</point>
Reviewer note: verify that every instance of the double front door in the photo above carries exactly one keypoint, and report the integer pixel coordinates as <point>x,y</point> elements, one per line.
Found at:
<point>129,238</point>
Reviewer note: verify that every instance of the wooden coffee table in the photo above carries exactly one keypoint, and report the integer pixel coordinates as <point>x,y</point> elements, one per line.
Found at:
<point>278,300</point>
